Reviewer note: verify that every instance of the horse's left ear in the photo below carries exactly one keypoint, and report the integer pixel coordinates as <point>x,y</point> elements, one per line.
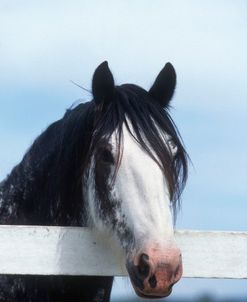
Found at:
<point>164,85</point>
<point>103,84</point>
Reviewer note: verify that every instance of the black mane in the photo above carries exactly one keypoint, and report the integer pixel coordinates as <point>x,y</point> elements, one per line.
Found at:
<point>46,187</point>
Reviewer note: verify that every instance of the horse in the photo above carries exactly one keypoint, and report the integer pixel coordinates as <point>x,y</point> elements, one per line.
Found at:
<point>116,164</point>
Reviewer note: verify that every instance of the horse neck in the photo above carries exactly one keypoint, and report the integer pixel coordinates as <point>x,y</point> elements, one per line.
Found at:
<point>31,194</point>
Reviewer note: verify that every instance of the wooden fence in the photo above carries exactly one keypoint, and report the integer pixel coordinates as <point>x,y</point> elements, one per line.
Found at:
<point>41,250</point>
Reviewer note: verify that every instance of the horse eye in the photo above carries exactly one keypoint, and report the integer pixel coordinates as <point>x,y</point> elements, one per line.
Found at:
<point>172,146</point>
<point>107,157</point>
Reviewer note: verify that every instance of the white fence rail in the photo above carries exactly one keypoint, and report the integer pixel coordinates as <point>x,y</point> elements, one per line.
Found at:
<point>40,250</point>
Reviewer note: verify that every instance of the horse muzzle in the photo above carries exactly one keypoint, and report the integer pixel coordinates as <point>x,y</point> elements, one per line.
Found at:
<point>154,272</point>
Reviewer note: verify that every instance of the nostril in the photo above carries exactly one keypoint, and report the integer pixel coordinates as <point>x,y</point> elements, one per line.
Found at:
<point>143,267</point>
<point>144,257</point>
<point>152,281</point>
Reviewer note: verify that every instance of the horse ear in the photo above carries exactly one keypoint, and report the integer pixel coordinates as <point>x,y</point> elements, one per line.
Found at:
<point>164,85</point>
<point>102,84</point>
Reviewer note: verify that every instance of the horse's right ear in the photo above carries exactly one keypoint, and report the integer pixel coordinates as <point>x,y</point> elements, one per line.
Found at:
<point>103,84</point>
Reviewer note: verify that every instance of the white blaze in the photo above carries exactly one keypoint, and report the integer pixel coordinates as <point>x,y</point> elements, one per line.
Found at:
<point>142,188</point>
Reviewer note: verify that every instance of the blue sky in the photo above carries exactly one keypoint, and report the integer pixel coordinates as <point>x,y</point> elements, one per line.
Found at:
<point>44,45</point>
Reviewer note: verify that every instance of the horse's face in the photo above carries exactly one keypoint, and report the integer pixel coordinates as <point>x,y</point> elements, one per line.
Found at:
<point>127,193</point>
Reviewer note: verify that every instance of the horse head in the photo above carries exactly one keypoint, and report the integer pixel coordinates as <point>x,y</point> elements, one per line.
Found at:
<point>136,170</point>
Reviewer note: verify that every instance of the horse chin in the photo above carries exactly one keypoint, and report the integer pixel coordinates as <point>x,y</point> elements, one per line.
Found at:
<point>150,296</point>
